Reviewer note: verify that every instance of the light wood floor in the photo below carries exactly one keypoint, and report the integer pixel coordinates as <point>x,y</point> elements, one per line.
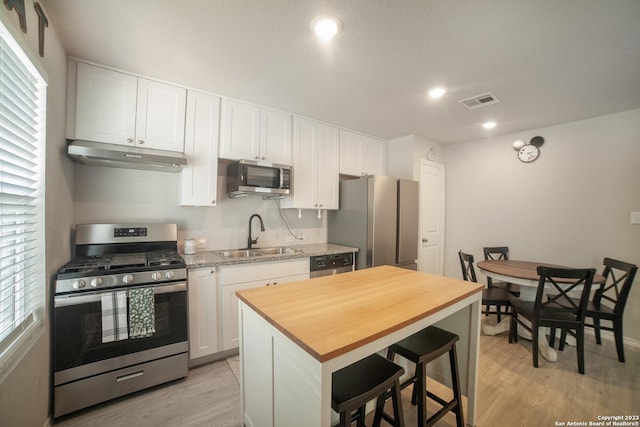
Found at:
<point>511,392</point>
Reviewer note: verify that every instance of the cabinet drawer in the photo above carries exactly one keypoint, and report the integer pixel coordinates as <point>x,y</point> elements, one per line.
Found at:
<point>231,274</point>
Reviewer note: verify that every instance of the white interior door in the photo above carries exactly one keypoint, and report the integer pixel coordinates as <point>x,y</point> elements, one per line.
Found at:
<point>431,254</point>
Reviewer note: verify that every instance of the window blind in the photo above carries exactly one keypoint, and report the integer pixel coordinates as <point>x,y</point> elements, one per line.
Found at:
<point>22,93</point>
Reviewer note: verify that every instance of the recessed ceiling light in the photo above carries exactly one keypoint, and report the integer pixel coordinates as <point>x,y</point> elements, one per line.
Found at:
<point>437,92</point>
<point>489,125</point>
<point>325,27</point>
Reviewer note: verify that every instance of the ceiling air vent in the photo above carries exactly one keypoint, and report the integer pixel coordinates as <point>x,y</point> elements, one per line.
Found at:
<point>479,101</point>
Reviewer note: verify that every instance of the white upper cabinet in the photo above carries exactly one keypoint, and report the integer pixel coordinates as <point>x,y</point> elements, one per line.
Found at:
<point>275,136</point>
<point>199,179</point>
<point>361,154</point>
<point>119,108</point>
<point>160,116</point>
<point>315,166</point>
<point>250,132</point>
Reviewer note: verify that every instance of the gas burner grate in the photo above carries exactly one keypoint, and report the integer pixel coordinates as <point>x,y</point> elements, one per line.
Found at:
<point>86,264</point>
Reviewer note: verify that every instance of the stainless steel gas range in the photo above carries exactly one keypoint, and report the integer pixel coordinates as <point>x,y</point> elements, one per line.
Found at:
<point>119,314</point>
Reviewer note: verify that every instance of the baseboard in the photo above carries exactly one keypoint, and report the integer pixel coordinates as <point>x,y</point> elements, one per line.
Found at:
<point>608,335</point>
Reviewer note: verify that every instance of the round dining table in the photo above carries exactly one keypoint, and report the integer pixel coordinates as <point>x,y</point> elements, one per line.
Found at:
<point>525,274</point>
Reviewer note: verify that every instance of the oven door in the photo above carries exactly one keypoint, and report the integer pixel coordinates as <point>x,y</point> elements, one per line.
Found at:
<point>79,352</point>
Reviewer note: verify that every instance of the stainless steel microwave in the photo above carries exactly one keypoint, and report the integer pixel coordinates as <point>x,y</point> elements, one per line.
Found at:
<point>246,176</point>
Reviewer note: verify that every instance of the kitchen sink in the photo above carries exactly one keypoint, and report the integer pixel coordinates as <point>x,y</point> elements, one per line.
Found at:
<point>238,253</point>
<point>276,251</point>
<point>246,253</point>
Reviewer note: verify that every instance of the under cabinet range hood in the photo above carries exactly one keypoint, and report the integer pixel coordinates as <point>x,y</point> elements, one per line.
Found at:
<point>120,156</point>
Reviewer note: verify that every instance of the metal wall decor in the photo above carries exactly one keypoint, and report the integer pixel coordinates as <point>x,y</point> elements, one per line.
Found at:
<point>527,153</point>
<point>18,6</point>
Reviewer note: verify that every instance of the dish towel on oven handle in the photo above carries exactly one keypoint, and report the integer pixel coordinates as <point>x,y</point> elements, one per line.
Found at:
<point>114,316</point>
<point>142,316</point>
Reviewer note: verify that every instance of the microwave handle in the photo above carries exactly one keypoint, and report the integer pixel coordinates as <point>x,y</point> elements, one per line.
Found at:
<point>70,300</point>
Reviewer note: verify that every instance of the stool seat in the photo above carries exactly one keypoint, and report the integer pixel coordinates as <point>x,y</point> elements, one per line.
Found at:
<point>422,348</point>
<point>354,385</point>
<point>426,345</point>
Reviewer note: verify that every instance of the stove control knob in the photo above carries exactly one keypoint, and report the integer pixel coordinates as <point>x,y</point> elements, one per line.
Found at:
<point>96,282</point>
<point>78,284</point>
<point>169,275</point>
<point>127,278</point>
<point>156,276</point>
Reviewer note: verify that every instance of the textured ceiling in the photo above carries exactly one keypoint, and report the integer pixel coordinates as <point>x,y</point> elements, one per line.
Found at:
<point>547,61</point>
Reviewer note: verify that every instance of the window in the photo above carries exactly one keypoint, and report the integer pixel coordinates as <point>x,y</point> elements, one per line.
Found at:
<point>22,281</point>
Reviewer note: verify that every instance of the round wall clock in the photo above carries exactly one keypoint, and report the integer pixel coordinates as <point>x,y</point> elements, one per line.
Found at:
<point>528,153</point>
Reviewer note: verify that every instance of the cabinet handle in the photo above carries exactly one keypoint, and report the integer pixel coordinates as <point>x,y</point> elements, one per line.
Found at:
<point>257,157</point>
<point>140,141</point>
<point>130,140</point>
<point>425,240</point>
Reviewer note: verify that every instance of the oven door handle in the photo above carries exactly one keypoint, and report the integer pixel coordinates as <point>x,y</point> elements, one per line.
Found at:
<point>69,300</point>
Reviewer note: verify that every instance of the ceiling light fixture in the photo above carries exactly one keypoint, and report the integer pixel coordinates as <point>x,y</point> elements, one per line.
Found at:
<point>489,125</point>
<point>437,92</point>
<point>326,27</point>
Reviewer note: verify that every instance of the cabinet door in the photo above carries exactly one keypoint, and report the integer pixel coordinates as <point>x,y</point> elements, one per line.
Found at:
<point>229,308</point>
<point>373,156</point>
<point>275,136</point>
<point>203,313</point>
<point>305,165</point>
<point>240,131</point>
<point>328,164</point>
<point>361,154</point>
<point>350,153</point>
<point>229,305</point>
<point>199,179</point>
<point>105,105</point>
<point>160,116</point>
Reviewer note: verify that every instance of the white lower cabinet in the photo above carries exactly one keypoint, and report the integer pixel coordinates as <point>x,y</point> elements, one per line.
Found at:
<point>235,278</point>
<point>203,312</point>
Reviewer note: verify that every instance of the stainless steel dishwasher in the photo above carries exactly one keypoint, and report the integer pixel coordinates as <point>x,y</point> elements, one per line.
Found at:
<point>327,265</point>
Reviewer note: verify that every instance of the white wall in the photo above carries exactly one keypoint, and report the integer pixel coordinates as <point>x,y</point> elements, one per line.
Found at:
<point>404,154</point>
<point>113,195</point>
<point>24,394</point>
<point>569,207</point>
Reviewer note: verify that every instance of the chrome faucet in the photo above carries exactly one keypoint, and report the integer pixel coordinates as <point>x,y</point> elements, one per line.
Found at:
<point>251,241</point>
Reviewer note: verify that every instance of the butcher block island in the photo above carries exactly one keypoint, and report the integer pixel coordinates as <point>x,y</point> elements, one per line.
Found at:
<point>295,335</point>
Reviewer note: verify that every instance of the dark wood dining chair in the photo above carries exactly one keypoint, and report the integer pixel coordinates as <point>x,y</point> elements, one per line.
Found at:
<point>557,310</point>
<point>609,301</point>
<point>497,253</point>
<point>497,297</point>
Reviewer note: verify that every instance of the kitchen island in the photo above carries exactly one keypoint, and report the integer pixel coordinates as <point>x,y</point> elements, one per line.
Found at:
<point>295,335</point>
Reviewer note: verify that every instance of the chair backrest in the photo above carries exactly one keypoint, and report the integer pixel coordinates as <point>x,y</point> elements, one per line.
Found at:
<point>492,253</point>
<point>496,253</point>
<point>563,282</point>
<point>466,263</point>
<point>616,288</point>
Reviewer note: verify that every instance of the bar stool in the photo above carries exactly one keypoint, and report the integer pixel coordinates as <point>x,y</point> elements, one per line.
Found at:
<point>422,348</point>
<point>354,385</point>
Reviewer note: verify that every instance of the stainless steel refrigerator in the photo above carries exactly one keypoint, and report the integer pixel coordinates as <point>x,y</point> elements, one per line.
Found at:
<point>378,215</point>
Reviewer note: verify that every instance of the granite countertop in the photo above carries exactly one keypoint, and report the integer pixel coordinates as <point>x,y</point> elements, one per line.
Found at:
<point>211,258</point>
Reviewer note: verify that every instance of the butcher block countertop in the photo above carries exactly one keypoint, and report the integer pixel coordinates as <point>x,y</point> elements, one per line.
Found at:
<point>329,316</point>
